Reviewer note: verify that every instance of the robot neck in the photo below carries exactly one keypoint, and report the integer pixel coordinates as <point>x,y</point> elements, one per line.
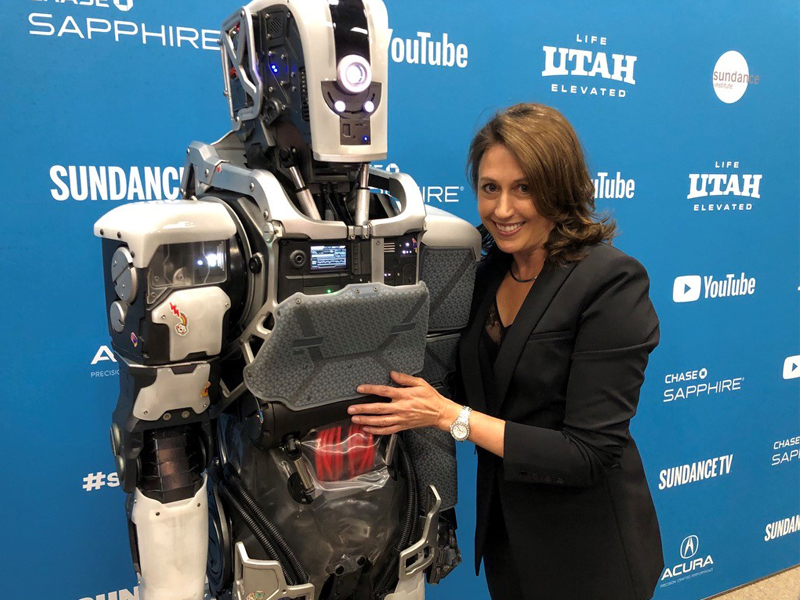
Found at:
<point>326,191</point>
<point>342,195</point>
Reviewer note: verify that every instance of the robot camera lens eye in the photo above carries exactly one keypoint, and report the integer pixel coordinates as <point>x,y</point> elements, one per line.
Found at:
<point>354,73</point>
<point>339,106</point>
<point>369,106</point>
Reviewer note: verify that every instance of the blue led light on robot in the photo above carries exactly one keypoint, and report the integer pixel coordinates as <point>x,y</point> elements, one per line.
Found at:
<point>274,68</point>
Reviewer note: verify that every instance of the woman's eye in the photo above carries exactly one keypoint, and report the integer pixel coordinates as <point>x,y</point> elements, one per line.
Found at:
<point>489,188</point>
<point>524,188</point>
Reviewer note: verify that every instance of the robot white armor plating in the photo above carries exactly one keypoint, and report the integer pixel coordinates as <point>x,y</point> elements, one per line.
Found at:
<point>245,315</point>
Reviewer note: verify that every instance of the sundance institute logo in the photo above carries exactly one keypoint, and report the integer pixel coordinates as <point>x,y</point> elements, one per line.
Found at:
<point>731,77</point>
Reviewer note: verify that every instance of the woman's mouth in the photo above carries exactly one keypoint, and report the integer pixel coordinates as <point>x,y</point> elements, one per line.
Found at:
<point>507,229</point>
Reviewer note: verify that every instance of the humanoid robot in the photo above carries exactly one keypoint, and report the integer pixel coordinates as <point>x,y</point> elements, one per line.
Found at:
<point>245,315</point>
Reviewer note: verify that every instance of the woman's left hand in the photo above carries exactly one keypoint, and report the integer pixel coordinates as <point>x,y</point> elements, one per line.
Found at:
<point>416,404</point>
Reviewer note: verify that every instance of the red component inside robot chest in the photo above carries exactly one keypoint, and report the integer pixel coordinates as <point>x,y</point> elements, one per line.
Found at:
<point>342,452</point>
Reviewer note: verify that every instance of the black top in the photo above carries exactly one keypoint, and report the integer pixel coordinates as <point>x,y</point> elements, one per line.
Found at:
<point>492,336</point>
<point>566,378</point>
<point>495,330</point>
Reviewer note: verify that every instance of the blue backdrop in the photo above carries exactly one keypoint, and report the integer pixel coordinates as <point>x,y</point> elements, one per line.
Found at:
<point>698,165</point>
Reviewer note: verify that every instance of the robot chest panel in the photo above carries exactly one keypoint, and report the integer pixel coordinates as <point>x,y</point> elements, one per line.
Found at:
<point>325,267</point>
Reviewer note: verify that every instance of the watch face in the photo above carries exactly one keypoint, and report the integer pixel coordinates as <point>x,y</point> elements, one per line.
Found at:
<point>460,431</point>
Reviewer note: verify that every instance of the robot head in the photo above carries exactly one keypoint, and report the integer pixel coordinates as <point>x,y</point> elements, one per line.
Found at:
<point>309,73</point>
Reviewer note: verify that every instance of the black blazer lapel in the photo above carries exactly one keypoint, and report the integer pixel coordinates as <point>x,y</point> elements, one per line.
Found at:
<point>470,345</point>
<point>538,299</point>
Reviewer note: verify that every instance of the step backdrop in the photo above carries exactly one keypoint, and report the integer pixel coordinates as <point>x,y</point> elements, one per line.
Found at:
<point>698,164</point>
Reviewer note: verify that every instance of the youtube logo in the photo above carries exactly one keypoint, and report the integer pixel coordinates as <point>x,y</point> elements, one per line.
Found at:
<point>687,288</point>
<point>690,288</point>
<point>791,367</point>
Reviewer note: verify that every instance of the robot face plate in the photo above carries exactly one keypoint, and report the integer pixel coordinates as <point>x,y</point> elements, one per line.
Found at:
<point>321,65</point>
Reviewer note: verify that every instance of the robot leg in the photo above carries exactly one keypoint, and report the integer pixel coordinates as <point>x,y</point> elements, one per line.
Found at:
<point>172,543</point>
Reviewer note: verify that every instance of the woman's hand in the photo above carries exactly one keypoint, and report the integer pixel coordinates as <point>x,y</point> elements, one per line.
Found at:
<point>415,405</point>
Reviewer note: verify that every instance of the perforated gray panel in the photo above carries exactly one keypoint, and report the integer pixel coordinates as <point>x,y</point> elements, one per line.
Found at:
<point>433,454</point>
<point>322,347</point>
<point>440,357</point>
<point>450,276</point>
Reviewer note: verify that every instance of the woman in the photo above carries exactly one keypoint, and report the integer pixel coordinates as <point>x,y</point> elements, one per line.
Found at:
<point>551,366</point>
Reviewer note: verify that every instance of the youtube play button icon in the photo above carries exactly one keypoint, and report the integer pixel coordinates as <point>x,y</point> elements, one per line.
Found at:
<point>791,367</point>
<point>687,288</point>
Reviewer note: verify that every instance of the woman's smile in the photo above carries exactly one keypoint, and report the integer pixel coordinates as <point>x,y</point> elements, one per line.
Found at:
<point>508,229</point>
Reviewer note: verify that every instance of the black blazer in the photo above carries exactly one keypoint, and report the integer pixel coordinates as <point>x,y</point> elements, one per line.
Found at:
<point>579,514</point>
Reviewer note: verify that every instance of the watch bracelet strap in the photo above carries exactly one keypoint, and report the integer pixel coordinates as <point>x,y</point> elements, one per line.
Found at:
<point>462,418</point>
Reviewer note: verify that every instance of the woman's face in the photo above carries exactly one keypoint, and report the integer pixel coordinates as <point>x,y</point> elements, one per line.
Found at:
<point>506,207</point>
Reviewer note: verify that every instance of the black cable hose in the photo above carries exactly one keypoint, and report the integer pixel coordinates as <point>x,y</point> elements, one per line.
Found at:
<point>327,195</point>
<point>280,557</point>
<point>414,483</point>
<point>415,508</point>
<point>286,556</point>
<point>411,493</point>
<point>267,526</point>
<point>406,531</point>
<point>409,523</point>
<point>272,554</point>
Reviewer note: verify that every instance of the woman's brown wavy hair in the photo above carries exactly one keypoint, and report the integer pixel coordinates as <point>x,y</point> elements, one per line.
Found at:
<point>548,152</point>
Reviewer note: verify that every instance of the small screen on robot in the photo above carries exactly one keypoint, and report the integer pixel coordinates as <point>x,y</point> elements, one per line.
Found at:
<point>324,258</point>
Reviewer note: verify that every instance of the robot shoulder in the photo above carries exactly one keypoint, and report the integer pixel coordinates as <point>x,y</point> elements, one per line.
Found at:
<point>445,230</point>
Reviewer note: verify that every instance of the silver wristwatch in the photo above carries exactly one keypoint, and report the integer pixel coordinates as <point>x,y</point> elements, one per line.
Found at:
<point>460,427</point>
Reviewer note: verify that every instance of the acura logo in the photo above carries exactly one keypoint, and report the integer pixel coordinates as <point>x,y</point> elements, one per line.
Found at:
<point>689,547</point>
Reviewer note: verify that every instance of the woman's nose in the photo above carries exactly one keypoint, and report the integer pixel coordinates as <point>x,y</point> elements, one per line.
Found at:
<point>504,208</point>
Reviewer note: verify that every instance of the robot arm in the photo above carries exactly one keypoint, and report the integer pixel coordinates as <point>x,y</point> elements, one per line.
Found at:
<point>167,268</point>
